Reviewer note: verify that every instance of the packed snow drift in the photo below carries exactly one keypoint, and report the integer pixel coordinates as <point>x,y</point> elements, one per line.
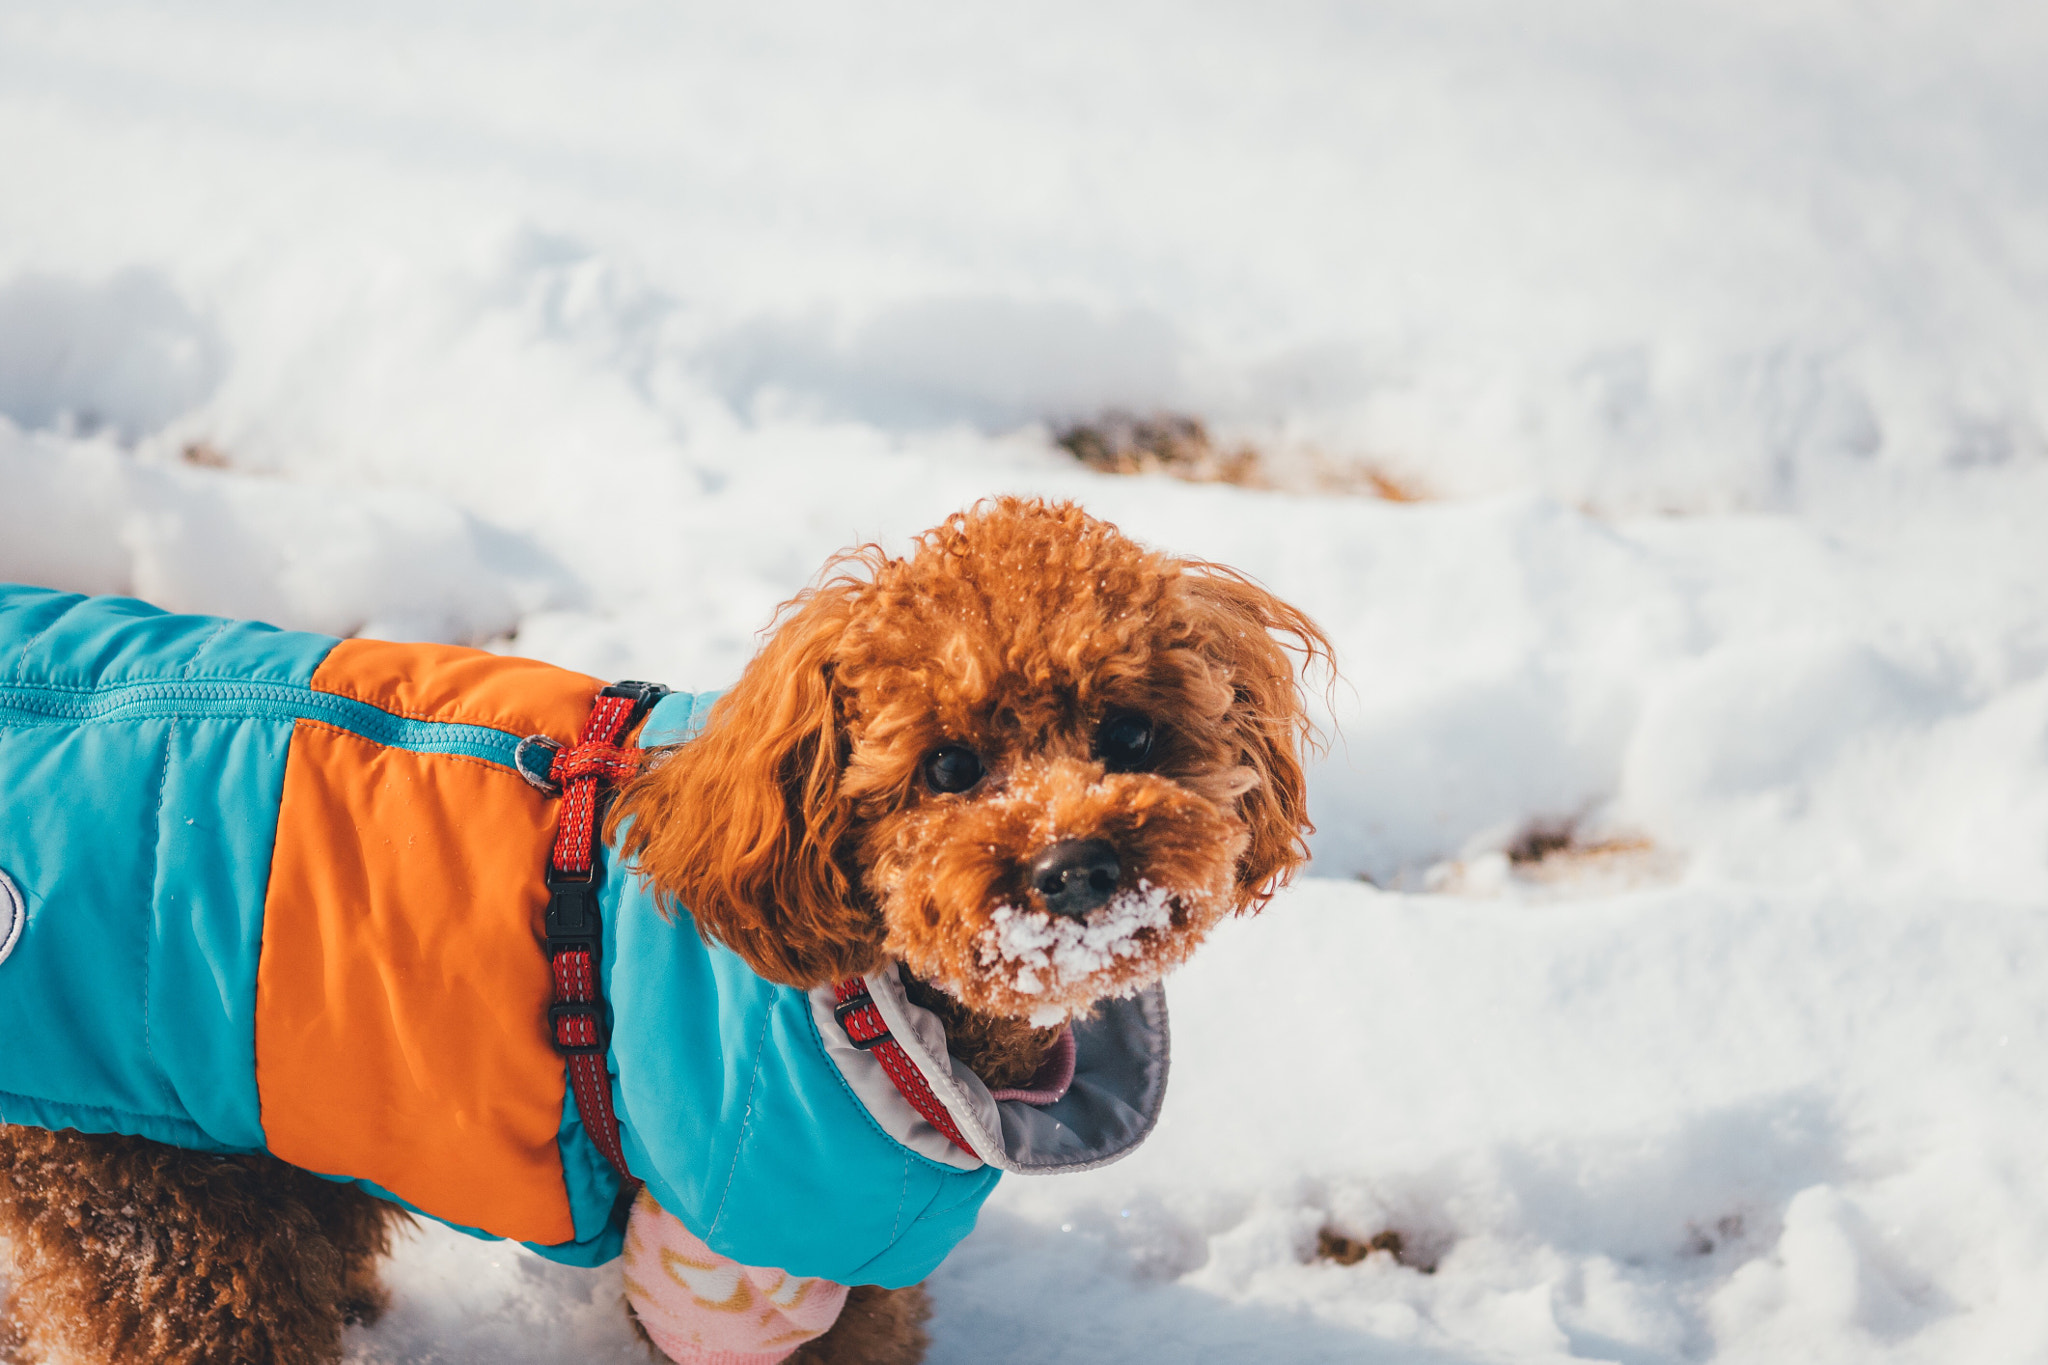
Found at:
<point>1669,982</point>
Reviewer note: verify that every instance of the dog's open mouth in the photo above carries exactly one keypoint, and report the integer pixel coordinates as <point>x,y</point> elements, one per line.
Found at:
<point>1057,965</point>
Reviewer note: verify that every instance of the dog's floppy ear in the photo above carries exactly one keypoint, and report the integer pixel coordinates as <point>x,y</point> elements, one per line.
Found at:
<point>1239,621</point>
<point>742,825</point>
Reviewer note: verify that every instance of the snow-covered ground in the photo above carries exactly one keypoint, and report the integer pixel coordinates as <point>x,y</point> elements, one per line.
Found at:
<point>1674,972</point>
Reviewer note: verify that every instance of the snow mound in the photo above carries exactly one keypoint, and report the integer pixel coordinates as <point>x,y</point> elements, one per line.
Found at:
<point>87,516</point>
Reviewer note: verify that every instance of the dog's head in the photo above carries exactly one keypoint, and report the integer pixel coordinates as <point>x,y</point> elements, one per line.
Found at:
<point>1032,761</point>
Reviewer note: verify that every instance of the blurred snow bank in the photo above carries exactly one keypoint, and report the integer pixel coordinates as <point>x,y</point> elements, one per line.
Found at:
<point>87,516</point>
<point>1695,257</point>
<point>1769,699</point>
<point>127,355</point>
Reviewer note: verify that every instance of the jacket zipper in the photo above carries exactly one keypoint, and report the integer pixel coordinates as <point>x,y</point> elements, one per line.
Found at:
<point>201,699</point>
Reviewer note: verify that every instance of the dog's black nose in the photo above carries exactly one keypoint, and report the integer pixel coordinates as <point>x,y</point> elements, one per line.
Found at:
<point>1075,876</point>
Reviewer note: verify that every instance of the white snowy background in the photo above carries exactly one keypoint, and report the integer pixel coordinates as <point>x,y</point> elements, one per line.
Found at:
<point>1716,334</point>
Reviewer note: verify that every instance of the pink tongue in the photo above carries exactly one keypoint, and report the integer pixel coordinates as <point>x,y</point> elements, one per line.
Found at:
<point>1052,1079</point>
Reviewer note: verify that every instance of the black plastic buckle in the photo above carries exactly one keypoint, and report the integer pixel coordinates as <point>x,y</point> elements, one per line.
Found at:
<point>593,1010</point>
<point>572,919</point>
<point>642,694</point>
<point>572,926</point>
<point>852,1005</point>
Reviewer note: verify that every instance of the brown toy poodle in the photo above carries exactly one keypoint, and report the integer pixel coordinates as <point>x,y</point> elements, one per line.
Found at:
<point>1031,762</point>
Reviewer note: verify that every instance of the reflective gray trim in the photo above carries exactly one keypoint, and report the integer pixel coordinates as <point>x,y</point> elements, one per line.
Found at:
<point>13,914</point>
<point>1122,1053</point>
<point>885,1103</point>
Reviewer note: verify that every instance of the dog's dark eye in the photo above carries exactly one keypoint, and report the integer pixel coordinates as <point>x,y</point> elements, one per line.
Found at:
<point>1124,742</point>
<point>952,769</point>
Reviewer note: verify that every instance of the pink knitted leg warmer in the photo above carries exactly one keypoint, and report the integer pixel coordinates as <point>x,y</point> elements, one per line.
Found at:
<point>702,1308</point>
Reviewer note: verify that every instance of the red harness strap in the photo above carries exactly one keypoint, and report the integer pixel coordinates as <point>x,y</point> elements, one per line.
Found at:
<point>576,1021</point>
<point>866,1030</point>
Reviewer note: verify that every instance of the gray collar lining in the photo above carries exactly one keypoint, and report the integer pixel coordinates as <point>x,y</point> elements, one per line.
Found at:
<point>1122,1052</point>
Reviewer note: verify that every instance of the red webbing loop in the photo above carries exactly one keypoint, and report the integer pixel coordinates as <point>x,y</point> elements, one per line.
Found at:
<point>578,771</point>
<point>864,1026</point>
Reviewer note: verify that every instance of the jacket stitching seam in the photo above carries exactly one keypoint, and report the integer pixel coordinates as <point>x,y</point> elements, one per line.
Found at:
<point>21,659</point>
<point>103,1108</point>
<point>902,1197</point>
<point>204,645</point>
<point>156,865</point>
<point>746,1125</point>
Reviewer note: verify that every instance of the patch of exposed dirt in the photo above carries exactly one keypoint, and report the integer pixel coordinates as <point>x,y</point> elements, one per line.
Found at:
<point>1556,858</point>
<point>1182,447</point>
<point>1344,1249</point>
<point>1561,858</point>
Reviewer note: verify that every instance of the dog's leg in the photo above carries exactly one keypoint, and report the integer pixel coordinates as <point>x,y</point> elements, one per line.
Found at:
<point>359,1228</point>
<point>124,1250</point>
<point>877,1327</point>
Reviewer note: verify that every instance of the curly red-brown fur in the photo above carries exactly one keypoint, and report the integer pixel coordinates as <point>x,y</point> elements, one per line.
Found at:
<point>798,831</point>
<point>877,1327</point>
<point>129,1252</point>
<point>746,824</point>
